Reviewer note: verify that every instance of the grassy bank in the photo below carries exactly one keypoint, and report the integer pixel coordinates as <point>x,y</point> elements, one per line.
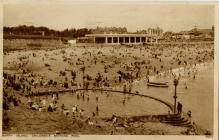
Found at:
<point>31,44</point>
<point>25,121</point>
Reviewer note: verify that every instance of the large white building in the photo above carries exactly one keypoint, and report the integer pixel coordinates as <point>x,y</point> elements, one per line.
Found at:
<point>122,38</point>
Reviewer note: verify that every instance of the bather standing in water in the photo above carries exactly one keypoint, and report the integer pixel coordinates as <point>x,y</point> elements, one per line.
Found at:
<point>123,101</point>
<point>186,87</point>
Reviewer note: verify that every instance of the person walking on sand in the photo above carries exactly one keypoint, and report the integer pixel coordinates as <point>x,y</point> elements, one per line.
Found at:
<point>30,102</point>
<point>193,126</point>
<point>114,120</point>
<point>189,113</point>
<point>74,109</point>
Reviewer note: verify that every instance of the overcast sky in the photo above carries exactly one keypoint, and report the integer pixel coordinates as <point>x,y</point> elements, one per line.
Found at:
<point>134,17</point>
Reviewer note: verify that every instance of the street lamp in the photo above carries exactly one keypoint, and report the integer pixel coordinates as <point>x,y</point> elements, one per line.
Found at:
<point>175,82</point>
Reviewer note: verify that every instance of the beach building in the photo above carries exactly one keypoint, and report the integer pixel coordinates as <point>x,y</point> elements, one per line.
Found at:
<point>155,31</point>
<point>122,38</point>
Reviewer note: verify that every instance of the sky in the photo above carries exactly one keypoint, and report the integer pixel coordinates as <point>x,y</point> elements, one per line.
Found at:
<point>169,17</point>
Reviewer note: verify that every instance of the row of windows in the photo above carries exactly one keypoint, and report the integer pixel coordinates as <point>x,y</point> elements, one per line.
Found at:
<point>120,39</point>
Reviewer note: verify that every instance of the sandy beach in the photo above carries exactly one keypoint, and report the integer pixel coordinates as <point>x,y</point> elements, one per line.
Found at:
<point>120,68</point>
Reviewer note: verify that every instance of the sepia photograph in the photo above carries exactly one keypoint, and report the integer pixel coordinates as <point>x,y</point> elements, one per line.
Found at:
<point>108,69</point>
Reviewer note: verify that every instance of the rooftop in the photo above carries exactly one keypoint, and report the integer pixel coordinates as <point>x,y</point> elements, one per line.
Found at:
<point>118,35</point>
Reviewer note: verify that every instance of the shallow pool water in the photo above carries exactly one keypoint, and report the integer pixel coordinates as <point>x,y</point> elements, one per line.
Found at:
<point>110,103</point>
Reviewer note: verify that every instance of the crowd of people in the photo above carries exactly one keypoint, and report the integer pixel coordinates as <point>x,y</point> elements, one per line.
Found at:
<point>87,67</point>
